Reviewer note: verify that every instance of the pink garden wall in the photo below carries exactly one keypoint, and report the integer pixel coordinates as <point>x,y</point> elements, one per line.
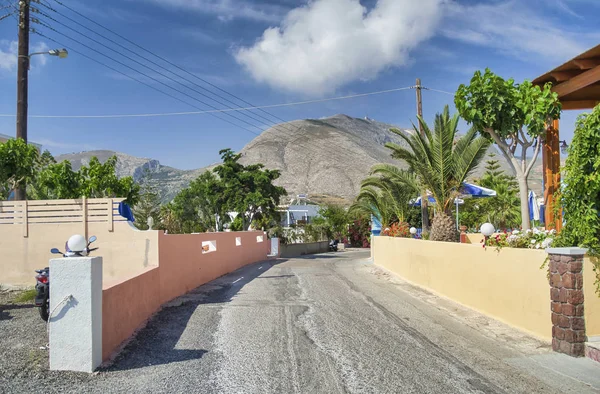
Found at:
<point>185,262</point>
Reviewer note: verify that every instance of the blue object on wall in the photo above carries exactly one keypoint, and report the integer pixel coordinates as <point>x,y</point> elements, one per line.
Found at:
<point>125,211</point>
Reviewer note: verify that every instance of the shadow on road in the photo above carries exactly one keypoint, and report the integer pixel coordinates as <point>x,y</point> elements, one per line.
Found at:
<point>157,343</point>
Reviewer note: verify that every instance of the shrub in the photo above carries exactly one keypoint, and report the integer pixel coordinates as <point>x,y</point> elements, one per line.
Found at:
<point>399,230</point>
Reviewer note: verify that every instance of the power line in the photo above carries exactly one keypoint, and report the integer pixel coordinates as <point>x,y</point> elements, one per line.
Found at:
<point>144,65</point>
<point>437,90</point>
<point>164,60</point>
<point>276,126</point>
<point>219,110</point>
<point>130,77</point>
<point>60,33</point>
<point>148,76</point>
<point>270,123</point>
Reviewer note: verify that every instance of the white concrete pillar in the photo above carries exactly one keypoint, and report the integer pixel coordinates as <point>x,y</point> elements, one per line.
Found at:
<point>76,314</point>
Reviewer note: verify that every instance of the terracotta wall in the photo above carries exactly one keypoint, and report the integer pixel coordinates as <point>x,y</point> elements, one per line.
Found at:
<point>125,250</point>
<point>183,266</point>
<point>507,285</point>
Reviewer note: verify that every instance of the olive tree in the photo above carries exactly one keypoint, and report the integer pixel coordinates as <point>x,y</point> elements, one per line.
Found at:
<point>514,116</point>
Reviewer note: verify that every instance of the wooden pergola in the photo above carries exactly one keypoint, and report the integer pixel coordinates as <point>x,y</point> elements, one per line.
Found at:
<point>577,83</point>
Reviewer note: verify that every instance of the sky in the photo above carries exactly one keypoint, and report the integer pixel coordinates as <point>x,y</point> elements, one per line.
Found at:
<point>268,52</point>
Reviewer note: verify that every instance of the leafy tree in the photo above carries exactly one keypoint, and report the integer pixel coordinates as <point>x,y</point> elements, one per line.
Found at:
<point>336,219</point>
<point>57,181</point>
<point>441,161</point>
<point>196,207</point>
<point>248,190</point>
<point>100,181</point>
<point>148,205</point>
<point>514,117</point>
<point>18,162</point>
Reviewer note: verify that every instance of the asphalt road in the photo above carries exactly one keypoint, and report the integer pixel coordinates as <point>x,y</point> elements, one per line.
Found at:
<point>325,324</point>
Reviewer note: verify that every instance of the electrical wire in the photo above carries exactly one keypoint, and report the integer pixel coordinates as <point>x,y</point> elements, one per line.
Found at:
<point>276,126</point>
<point>130,77</point>
<point>212,111</point>
<point>144,65</point>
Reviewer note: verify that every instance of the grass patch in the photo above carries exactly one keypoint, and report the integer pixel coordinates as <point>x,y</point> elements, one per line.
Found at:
<point>25,296</point>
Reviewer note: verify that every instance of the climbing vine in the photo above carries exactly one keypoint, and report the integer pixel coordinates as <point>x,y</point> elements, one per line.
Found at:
<point>580,195</point>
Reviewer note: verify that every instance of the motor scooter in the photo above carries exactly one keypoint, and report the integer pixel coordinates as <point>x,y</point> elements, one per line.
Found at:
<point>42,286</point>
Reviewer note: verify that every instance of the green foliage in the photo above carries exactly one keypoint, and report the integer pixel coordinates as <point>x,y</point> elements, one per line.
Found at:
<point>439,159</point>
<point>57,181</point>
<point>99,180</point>
<point>503,210</point>
<point>148,205</point>
<point>514,116</point>
<point>18,162</point>
<point>336,220</point>
<point>248,190</point>
<point>193,210</point>
<point>386,193</point>
<point>231,187</point>
<point>580,196</point>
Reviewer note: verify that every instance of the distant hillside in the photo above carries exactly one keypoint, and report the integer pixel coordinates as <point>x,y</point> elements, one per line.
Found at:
<point>327,157</point>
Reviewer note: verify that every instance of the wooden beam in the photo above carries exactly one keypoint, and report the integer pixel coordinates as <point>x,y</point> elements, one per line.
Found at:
<point>579,82</point>
<point>562,76</point>
<point>551,174</point>
<point>586,64</point>
<point>581,104</point>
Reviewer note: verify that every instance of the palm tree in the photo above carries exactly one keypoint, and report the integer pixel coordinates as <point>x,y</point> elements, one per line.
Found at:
<point>386,194</point>
<point>442,161</point>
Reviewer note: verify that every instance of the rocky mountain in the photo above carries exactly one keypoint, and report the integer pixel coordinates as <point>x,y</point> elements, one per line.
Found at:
<point>326,157</point>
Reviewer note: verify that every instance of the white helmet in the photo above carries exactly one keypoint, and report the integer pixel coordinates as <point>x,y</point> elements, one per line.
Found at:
<point>77,243</point>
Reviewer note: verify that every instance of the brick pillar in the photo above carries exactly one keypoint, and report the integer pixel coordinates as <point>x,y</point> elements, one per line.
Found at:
<point>463,234</point>
<point>566,293</point>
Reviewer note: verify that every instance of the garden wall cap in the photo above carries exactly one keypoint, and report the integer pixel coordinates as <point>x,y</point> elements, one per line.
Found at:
<point>567,251</point>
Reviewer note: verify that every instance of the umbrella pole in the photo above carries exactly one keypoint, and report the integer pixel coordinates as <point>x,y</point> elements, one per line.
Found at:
<point>456,201</point>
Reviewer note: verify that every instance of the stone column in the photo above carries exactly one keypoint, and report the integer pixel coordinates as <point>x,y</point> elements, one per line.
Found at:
<point>566,292</point>
<point>76,314</point>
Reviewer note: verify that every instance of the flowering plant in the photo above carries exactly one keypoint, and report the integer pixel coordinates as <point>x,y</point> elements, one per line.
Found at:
<point>530,239</point>
<point>401,230</point>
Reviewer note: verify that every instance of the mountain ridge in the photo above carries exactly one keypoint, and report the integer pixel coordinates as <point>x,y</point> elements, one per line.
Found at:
<point>328,157</point>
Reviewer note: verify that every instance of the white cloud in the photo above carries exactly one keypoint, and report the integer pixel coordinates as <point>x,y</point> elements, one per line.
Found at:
<point>9,53</point>
<point>328,43</point>
<point>516,28</point>
<point>227,10</point>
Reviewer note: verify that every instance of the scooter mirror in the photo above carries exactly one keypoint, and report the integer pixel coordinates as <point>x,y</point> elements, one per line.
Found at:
<point>92,239</point>
<point>55,251</point>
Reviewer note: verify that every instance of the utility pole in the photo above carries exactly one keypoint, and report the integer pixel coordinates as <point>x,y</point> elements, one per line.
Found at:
<point>22,80</point>
<point>424,197</point>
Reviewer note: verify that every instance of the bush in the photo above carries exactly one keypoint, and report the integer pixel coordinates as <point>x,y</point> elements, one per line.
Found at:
<point>399,230</point>
<point>529,239</point>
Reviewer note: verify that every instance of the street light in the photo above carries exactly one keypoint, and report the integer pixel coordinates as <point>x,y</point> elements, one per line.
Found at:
<point>60,53</point>
<point>487,229</point>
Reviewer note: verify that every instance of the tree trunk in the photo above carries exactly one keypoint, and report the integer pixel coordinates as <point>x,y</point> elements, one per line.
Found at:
<point>524,196</point>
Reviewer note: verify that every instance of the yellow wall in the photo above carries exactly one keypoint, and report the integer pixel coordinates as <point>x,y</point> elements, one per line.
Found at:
<point>474,238</point>
<point>507,285</point>
<point>125,250</point>
<point>591,300</point>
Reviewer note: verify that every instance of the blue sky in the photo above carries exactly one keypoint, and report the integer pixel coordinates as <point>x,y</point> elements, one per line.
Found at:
<point>270,52</point>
